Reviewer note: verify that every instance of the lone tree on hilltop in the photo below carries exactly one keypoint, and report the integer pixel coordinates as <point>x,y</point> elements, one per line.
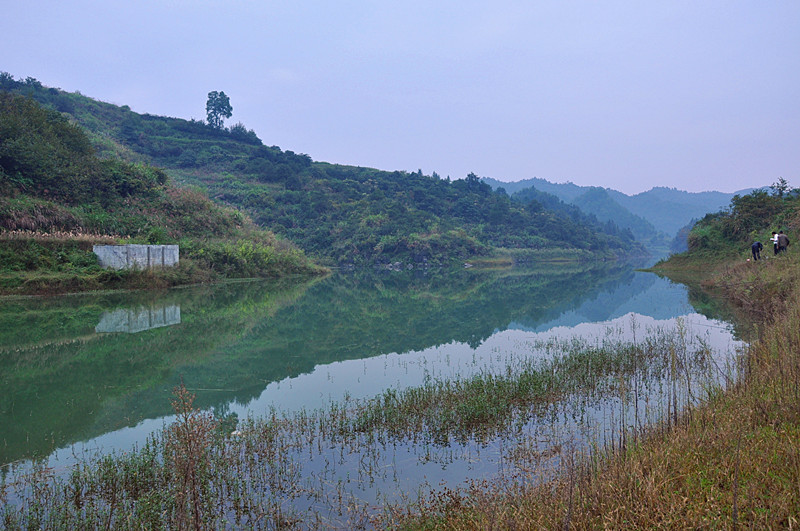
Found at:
<point>780,188</point>
<point>218,107</point>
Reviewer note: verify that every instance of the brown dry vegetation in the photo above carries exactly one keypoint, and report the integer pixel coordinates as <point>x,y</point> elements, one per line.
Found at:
<point>734,462</point>
<point>75,236</point>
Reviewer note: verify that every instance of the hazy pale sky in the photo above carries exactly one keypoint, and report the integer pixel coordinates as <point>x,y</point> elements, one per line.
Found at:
<point>697,95</point>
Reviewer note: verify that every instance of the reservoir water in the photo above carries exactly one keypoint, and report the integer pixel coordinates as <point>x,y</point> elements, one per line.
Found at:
<point>95,373</point>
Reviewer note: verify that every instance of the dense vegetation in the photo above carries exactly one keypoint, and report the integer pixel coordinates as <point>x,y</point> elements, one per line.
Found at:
<point>597,208</point>
<point>749,218</point>
<point>573,212</point>
<point>599,202</point>
<point>58,198</point>
<point>340,214</point>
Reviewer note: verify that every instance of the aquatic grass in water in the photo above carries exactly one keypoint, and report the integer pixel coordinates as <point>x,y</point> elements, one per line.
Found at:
<point>343,465</point>
<point>732,462</point>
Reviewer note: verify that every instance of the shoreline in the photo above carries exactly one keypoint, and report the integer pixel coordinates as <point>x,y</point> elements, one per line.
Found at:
<point>731,461</point>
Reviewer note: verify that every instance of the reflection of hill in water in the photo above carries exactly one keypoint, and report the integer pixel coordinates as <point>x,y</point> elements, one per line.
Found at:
<point>633,292</point>
<point>234,339</point>
<point>358,315</point>
<point>58,375</point>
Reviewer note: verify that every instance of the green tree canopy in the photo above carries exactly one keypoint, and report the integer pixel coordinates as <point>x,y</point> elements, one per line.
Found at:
<point>218,107</point>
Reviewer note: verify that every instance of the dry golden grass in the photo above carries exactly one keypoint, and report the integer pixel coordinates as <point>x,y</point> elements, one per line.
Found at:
<point>733,462</point>
<point>57,236</point>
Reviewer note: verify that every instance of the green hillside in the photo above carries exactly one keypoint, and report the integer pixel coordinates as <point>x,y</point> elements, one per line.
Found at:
<point>551,202</point>
<point>564,191</point>
<point>596,207</point>
<point>58,198</point>
<point>337,214</point>
<point>752,217</point>
<point>599,202</point>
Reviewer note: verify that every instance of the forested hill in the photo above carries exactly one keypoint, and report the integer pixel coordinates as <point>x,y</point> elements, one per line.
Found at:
<point>659,210</point>
<point>57,199</point>
<point>749,218</point>
<point>339,214</point>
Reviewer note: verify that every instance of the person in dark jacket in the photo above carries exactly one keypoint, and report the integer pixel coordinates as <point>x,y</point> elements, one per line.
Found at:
<point>756,250</point>
<point>783,242</point>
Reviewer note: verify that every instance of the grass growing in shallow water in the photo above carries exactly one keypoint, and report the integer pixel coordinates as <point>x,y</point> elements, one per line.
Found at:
<point>733,462</point>
<point>342,466</point>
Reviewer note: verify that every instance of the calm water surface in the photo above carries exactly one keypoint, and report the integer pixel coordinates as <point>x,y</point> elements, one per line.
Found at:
<point>82,374</point>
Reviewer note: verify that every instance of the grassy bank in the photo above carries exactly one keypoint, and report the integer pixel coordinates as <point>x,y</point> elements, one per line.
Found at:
<point>733,462</point>
<point>36,263</point>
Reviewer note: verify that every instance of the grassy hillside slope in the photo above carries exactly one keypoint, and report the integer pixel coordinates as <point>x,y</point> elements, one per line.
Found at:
<point>57,199</point>
<point>728,234</point>
<point>338,214</point>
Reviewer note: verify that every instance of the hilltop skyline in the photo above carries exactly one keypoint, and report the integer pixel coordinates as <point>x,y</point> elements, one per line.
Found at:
<point>695,96</point>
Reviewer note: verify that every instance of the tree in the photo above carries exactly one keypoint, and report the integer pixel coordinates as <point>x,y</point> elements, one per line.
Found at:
<point>780,188</point>
<point>218,107</point>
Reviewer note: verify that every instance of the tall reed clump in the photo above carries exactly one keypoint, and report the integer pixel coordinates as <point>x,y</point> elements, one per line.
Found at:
<point>166,483</point>
<point>187,448</point>
<point>732,462</point>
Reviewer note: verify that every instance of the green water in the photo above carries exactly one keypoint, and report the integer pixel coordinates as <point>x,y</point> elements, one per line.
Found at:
<point>82,368</point>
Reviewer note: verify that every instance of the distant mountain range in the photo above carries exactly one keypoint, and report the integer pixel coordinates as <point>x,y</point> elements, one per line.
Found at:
<point>659,210</point>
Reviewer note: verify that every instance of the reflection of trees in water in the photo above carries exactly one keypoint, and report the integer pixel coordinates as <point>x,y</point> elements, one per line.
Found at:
<point>234,339</point>
<point>363,315</point>
<point>63,382</point>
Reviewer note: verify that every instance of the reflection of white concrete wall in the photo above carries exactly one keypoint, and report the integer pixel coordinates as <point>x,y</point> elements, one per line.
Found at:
<point>137,256</point>
<point>134,320</point>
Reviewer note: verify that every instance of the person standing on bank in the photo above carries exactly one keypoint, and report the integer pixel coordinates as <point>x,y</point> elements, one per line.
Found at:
<point>783,242</point>
<point>756,250</point>
<point>774,241</point>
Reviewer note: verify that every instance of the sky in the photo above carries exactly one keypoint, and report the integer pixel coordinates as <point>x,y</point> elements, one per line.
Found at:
<point>696,95</point>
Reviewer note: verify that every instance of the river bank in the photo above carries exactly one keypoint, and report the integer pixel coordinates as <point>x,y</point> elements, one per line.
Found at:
<point>43,264</point>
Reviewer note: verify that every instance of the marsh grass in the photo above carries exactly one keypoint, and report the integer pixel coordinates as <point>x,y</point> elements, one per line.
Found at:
<point>352,463</point>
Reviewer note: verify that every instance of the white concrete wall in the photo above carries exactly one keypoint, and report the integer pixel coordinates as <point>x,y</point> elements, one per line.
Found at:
<point>137,256</point>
